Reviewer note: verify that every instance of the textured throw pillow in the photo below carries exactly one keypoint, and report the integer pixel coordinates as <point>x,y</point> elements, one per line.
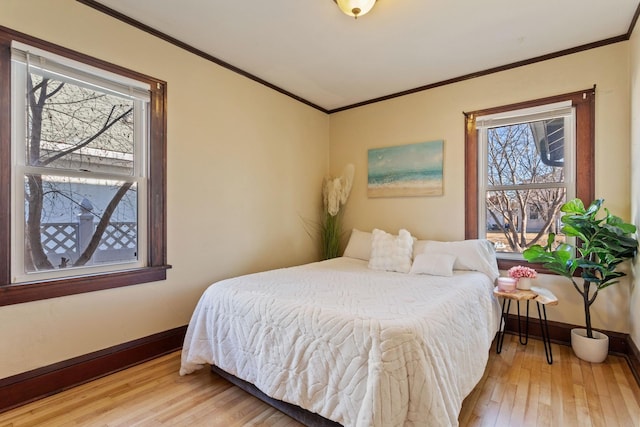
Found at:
<point>359,245</point>
<point>433,263</point>
<point>391,253</point>
<point>474,254</point>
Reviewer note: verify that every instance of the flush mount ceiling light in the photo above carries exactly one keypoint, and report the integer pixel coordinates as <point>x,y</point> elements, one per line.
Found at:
<point>355,8</point>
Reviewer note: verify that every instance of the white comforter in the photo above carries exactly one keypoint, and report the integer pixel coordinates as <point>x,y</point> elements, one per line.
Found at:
<point>357,346</point>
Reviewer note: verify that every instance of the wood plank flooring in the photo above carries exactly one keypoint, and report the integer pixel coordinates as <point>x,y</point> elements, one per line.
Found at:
<point>518,389</point>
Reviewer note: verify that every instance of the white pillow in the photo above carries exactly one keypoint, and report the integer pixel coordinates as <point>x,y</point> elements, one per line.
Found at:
<point>418,247</point>
<point>475,254</point>
<point>391,253</point>
<point>433,263</point>
<point>359,245</point>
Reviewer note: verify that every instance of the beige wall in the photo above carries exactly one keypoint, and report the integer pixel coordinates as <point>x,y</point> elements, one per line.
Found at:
<point>245,165</point>
<point>438,114</point>
<point>634,308</point>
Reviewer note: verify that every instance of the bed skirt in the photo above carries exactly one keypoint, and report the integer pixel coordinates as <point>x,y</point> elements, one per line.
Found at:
<point>297,413</point>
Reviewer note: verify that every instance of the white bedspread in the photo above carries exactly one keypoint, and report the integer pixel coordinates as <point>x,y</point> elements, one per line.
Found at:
<point>357,346</point>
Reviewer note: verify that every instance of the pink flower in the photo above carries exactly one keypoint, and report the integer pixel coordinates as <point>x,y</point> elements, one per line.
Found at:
<point>521,271</point>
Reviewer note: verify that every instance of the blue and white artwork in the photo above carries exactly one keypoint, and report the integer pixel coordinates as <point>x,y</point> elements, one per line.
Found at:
<point>406,170</point>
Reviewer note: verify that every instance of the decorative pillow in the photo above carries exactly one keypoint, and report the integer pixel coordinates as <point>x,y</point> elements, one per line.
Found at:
<point>418,247</point>
<point>391,253</point>
<point>474,254</point>
<point>433,263</point>
<point>359,245</point>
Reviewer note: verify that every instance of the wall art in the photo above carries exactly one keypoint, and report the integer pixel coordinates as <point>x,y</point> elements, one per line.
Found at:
<point>406,170</point>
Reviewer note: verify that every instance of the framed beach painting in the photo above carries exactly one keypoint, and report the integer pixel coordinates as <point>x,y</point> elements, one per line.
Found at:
<point>406,170</point>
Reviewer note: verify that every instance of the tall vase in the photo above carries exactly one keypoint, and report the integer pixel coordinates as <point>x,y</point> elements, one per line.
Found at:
<point>524,283</point>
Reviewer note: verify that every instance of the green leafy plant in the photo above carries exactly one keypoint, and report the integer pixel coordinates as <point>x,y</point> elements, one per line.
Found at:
<point>330,234</point>
<point>602,243</point>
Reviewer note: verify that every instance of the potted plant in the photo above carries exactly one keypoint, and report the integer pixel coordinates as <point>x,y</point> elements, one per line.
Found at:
<point>523,276</point>
<point>602,243</point>
<point>335,192</point>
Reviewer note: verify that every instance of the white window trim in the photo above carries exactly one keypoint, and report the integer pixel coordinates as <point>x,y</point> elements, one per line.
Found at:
<point>82,74</point>
<point>78,72</point>
<point>562,109</point>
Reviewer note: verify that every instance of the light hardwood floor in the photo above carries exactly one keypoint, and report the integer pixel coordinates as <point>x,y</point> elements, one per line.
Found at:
<point>518,389</point>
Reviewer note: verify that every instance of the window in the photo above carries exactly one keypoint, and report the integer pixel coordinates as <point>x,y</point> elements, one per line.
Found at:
<point>534,212</point>
<point>84,199</point>
<point>523,162</point>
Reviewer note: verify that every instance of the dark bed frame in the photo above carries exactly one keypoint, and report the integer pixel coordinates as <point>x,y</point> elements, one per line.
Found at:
<point>299,414</point>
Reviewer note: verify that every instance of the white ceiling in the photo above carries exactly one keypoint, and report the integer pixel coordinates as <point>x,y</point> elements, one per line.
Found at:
<point>313,51</point>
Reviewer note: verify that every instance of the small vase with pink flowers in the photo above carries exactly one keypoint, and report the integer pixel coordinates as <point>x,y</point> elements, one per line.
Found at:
<point>523,275</point>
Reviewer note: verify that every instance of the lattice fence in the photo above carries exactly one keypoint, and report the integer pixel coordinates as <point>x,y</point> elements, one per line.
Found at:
<point>118,242</point>
<point>59,237</point>
<point>119,235</point>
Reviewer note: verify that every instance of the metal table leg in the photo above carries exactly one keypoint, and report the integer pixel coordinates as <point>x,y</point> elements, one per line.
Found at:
<point>544,328</point>
<point>503,325</point>
<point>526,325</point>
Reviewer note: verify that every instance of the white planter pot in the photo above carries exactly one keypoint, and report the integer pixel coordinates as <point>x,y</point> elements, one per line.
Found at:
<point>594,349</point>
<point>524,283</point>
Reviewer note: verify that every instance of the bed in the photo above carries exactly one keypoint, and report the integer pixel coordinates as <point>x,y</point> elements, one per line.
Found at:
<point>355,345</point>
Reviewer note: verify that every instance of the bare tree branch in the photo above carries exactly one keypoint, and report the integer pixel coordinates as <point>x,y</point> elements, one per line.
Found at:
<point>59,128</point>
<point>88,141</point>
<point>513,160</point>
<point>102,225</point>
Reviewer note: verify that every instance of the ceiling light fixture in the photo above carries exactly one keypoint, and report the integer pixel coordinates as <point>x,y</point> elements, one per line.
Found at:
<point>355,8</point>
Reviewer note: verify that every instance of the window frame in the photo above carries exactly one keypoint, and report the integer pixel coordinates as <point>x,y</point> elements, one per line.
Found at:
<point>15,293</point>
<point>584,103</point>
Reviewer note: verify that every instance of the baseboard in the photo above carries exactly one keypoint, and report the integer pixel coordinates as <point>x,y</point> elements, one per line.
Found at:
<point>560,333</point>
<point>633,357</point>
<point>38,383</point>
